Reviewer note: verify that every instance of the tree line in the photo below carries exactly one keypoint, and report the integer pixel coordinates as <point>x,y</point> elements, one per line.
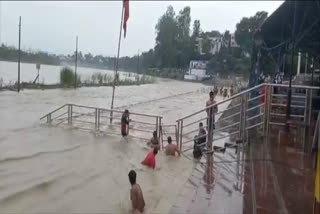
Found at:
<point>176,44</point>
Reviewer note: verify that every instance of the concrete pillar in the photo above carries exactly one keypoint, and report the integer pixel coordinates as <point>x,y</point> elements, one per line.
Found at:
<point>299,63</point>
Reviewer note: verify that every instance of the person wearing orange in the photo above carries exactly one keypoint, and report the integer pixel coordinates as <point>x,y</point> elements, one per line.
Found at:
<point>150,159</point>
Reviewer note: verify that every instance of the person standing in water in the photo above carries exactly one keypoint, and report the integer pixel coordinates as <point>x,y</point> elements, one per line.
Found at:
<point>125,123</point>
<point>136,195</point>
<point>171,149</point>
<point>210,102</point>
<point>150,159</point>
<point>154,142</point>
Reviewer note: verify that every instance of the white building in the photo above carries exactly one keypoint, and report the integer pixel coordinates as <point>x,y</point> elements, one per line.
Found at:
<point>216,43</point>
<point>197,70</point>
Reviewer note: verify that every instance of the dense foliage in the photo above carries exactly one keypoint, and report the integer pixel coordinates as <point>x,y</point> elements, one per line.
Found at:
<point>67,76</point>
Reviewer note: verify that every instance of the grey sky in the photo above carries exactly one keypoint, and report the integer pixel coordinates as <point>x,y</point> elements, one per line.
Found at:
<point>52,26</point>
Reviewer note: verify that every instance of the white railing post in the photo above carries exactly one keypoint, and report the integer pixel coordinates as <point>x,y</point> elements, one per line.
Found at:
<point>177,135</point>
<point>49,118</point>
<point>241,118</point>
<point>69,114</point>
<point>157,125</point>
<point>210,129</point>
<point>96,119</point>
<point>180,138</point>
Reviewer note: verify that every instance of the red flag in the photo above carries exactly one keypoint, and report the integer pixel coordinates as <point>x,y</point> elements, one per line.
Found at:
<point>126,16</point>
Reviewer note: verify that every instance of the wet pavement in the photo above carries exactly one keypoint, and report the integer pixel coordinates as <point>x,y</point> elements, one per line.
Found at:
<point>271,179</point>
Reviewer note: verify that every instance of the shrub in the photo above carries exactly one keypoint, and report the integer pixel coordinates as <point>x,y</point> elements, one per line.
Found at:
<point>67,76</point>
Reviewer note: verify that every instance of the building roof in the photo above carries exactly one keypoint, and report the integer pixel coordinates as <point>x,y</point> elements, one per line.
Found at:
<point>278,28</point>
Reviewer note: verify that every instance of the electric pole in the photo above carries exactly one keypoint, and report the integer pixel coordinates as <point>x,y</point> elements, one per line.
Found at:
<point>138,62</point>
<point>19,54</point>
<point>76,64</point>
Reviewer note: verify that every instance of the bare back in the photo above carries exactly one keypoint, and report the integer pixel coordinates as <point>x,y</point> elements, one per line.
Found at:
<point>137,198</point>
<point>171,149</point>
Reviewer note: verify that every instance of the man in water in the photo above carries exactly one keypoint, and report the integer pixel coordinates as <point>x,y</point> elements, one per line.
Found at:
<point>171,149</point>
<point>125,123</point>
<point>154,142</point>
<point>136,195</point>
<point>210,102</point>
<point>202,134</point>
<point>199,141</point>
<point>150,159</point>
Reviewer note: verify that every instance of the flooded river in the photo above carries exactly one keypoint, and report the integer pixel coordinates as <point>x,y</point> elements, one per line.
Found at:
<point>54,170</point>
<point>48,74</point>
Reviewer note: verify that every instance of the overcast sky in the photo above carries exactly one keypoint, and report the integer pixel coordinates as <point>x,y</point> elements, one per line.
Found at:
<point>52,26</point>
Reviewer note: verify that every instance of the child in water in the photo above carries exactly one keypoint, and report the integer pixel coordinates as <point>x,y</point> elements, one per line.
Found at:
<point>125,123</point>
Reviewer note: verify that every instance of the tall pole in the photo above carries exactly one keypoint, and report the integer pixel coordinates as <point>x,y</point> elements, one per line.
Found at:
<point>138,61</point>
<point>19,54</point>
<point>299,63</point>
<point>306,65</point>
<point>312,70</point>
<point>292,58</point>
<point>76,64</point>
<point>116,67</point>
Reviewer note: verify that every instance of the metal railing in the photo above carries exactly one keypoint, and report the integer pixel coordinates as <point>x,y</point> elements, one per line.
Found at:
<point>166,131</point>
<point>234,113</point>
<point>262,107</point>
<point>98,119</point>
<point>259,108</point>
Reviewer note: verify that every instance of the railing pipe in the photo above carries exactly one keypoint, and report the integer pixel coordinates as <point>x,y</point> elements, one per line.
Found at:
<point>54,111</point>
<point>180,138</point>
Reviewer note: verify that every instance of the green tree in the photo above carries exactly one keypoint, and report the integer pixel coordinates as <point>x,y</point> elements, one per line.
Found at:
<point>196,29</point>
<point>184,43</point>
<point>206,44</point>
<point>227,40</point>
<point>166,39</point>
<point>67,76</point>
<point>246,28</point>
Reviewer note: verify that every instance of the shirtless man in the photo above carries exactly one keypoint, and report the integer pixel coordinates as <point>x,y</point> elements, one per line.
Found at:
<point>154,142</point>
<point>171,149</point>
<point>136,195</point>
<point>210,102</point>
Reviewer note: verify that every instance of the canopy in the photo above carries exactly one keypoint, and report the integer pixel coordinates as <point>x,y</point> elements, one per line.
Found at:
<point>297,21</point>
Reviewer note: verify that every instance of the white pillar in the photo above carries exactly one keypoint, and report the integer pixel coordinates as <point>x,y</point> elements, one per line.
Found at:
<point>299,63</point>
<point>306,65</point>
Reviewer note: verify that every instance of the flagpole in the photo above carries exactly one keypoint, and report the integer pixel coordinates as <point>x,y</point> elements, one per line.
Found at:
<point>116,68</point>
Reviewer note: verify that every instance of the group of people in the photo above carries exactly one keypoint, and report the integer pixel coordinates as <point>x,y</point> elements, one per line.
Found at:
<point>201,138</point>
<point>224,92</point>
<point>136,194</point>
